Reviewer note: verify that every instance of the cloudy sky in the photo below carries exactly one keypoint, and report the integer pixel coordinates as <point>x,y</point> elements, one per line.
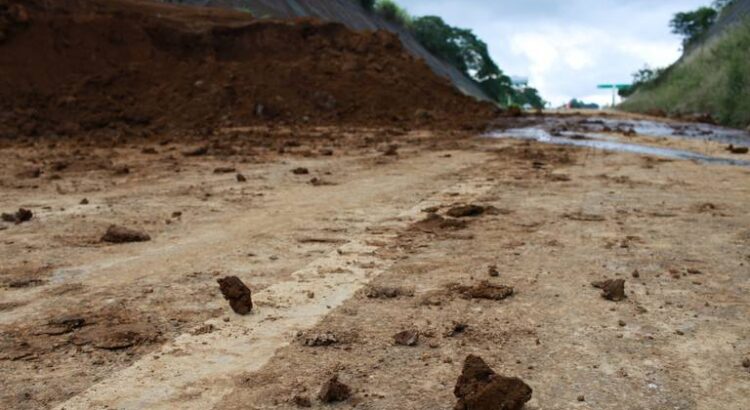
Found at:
<point>567,47</point>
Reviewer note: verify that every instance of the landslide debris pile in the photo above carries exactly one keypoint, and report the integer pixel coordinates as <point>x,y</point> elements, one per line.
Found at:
<point>73,66</point>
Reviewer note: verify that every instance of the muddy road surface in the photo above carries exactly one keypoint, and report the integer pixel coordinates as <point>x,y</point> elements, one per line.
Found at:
<point>382,257</point>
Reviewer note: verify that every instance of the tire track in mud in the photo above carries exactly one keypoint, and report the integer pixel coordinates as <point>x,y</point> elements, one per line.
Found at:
<point>195,371</point>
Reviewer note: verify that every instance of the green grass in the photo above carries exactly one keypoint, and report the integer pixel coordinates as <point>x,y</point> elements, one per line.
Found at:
<point>714,79</point>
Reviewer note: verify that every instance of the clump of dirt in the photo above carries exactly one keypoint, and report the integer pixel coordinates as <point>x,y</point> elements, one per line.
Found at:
<point>464,211</point>
<point>407,338</point>
<point>19,217</point>
<point>237,293</point>
<point>492,271</point>
<point>106,330</point>
<point>301,171</point>
<point>484,290</point>
<point>480,388</point>
<point>334,391</point>
<point>196,152</point>
<point>115,62</point>
<point>612,289</point>
<point>120,234</point>
<point>320,339</point>
<point>434,223</point>
<point>738,150</point>
<point>387,292</point>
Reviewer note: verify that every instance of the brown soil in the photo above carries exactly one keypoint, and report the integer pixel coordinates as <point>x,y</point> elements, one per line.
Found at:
<point>116,66</point>
<point>86,325</point>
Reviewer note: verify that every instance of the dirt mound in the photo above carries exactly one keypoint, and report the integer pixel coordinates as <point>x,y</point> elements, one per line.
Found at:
<point>73,66</point>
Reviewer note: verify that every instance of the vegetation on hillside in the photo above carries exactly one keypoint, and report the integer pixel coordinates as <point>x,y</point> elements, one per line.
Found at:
<point>693,25</point>
<point>715,79</point>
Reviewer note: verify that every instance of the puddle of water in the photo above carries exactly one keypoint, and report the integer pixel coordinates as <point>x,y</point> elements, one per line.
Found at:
<point>604,142</point>
<point>668,130</point>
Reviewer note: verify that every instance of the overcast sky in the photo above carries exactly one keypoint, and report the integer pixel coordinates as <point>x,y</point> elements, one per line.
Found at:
<point>567,47</point>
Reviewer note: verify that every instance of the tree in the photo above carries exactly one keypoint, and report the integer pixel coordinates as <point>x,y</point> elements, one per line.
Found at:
<point>577,104</point>
<point>393,12</point>
<point>465,51</point>
<point>368,5</point>
<point>642,77</point>
<point>693,24</point>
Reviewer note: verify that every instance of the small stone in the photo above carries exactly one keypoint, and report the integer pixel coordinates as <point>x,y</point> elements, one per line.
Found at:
<point>622,323</point>
<point>241,178</point>
<point>581,398</point>
<point>300,171</point>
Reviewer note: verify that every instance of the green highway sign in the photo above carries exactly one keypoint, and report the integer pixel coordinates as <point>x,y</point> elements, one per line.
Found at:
<point>613,86</point>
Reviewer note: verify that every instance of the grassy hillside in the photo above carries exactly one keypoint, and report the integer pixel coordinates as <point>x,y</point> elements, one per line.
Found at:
<point>715,78</point>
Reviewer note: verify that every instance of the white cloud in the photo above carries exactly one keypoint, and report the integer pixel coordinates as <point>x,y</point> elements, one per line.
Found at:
<point>568,47</point>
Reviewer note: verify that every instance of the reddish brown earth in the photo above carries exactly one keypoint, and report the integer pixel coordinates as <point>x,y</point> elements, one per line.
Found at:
<point>404,248</point>
<point>72,66</point>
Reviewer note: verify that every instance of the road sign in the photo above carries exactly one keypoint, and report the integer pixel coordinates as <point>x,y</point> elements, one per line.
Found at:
<point>614,88</point>
<point>611,86</point>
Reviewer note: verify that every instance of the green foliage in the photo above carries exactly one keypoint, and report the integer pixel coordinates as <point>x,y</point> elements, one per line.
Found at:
<point>693,24</point>
<point>530,96</point>
<point>392,12</point>
<point>465,51</point>
<point>644,77</point>
<point>578,104</point>
<point>715,80</point>
<point>367,4</point>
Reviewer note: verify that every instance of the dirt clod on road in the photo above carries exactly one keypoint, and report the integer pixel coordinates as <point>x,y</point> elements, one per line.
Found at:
<point>19,217</point>
<point>612,289</point>
<point>484,290</point>
<point>121,234</point>
<point>237,293</point>
<point>480,388</point>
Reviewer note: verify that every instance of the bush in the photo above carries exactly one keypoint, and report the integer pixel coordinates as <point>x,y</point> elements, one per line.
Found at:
<point>392,12</point>
<point>368,5</point>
